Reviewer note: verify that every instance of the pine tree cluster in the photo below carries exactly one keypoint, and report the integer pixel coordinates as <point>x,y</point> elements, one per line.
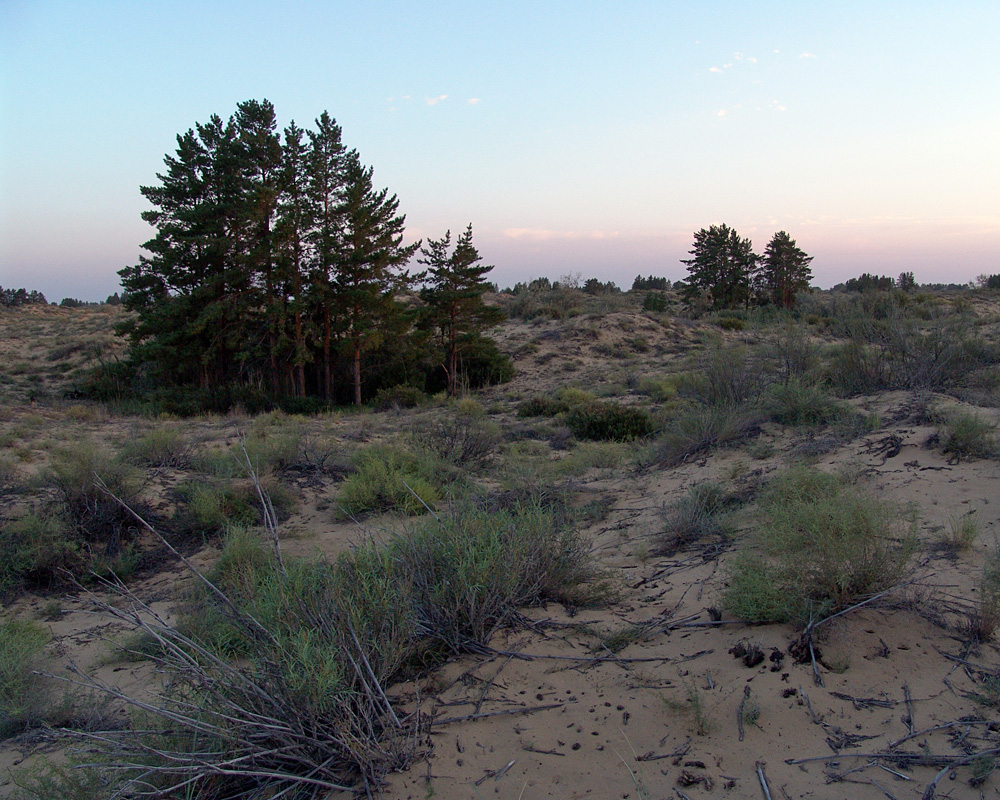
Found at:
<point>277,264</point>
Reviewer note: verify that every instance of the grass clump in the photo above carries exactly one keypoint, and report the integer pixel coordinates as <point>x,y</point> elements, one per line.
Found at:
<point>984,620</point>
<point>700,514</point>
<point>36,549</point>
<point>801,403</point>
<point>700,429</point>
<point>23,697</point>
<point>466,439</point>
<point>379,483</point>
<point>963,530</point>
<point>608,421</point>
<point>968,435</point>
<point>823,544</point>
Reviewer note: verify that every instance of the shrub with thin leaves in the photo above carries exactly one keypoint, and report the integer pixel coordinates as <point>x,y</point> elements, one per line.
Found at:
<point>303,712</point>
<point>823,544</point>
<point>984,620</point>
<point>23,695</point>
<point>608,421</point>
<point>699,429</point>
<point>36,549</point>
<point>968,435</point>
<point>699,514</point>
<point>389,479</point>
<point>801,403</point>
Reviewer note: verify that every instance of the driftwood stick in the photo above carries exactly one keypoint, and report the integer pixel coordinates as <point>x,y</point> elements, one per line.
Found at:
<point>763,781</point>
<point>909,707</point>
<point>816,719</point>
<point>956,724</point>
<point>506,712</point>
<point>739,714</point>
<point>932,786</point>
<point>882,789</point>
<point>817,678</point>
<point>918,759</point>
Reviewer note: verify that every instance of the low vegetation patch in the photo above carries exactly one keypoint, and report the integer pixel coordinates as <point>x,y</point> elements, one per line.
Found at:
<point>700,514</point>
<point>967,435</point>
<point>23,695</point>
<point>390,479</point>
<point>304,711</point>
<point>823,544</point>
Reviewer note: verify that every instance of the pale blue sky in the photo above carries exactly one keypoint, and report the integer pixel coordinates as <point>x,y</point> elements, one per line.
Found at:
<point>577,137</point>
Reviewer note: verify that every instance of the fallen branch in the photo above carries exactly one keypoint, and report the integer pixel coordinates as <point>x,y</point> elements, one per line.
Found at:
<point>506,712</point>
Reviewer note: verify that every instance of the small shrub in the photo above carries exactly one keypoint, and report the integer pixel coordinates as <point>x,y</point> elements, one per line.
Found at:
<point>698,430</point>
<point>732,324</point>
<point>160,446</point>
<point>96,516</point>
<point>380,483</point>
<point>967,435</point>
<point>466,439</point>
<point>542,406</point>
<point>211,506</point>
<point>591,455</point>
<point>985,617</point>
<point>800,403</point>
<point>23,696</point>
<point>699,514</point>
<point>401,396</point>
<point>609,421</point>
<point>824,544</point>
<point>658,388</point>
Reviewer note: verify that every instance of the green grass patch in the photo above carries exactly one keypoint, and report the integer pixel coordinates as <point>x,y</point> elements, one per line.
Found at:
<point>379,483</point>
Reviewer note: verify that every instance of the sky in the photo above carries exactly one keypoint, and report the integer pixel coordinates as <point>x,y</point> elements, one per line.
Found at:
<point>583,139</point>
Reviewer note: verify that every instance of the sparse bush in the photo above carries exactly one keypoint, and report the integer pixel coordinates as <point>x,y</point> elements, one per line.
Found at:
<point>699,514</point>
<point>23,695</point>
<point>801,403</point>
<point>824,544</point>
<point>609,421</point>
<point>968,435</point>
<point>211,506</point>
<point>465,439</point>
<point>96,516</point>
<point>160,446</point>
<point>304,711</point>
<point>380,483</point>
<point>984,620</point>
<point>698,430</point>
<point>35,549</point>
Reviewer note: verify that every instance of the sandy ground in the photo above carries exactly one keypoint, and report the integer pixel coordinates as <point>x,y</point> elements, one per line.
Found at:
<point>552,713</point>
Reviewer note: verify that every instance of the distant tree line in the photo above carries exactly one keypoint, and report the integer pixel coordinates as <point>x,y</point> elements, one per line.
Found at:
<point>277,264</point>
<point>11,298</point>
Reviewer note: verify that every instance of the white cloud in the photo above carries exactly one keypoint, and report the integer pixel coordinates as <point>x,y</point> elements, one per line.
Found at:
<point>475,101</point>
<point>433,101</point>
<point>720,113</point>
<point>806,55</point>
<point>776,106</point>
<point>727,66</point>
<point>714,69</point>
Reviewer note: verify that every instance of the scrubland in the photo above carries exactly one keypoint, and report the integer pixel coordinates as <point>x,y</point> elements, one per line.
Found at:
<point>744,553</point>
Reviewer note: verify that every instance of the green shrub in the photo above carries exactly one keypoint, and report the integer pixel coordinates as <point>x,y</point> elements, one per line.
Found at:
<point>160,446</point>
<point>211,506</point>
<point>801,403</point>
<point>35,549</point>
<point>823,545</point>
<point>23,696</point>
<point>380,482</point>
<point>732,324</point>
<point>968,435</point>
<point>700,429</point>
<point>305,702</point>
<point>700,514</point>
<point>609,421</point>
<point>401,396</point>
<point>95,514</point>
<point>542,406</point>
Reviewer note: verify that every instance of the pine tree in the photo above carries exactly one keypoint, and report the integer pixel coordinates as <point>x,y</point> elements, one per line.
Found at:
<point>784,271</point>
<point>372,256</point>
<point>454,297</point>
<point>326,164</point>
<point>721,268</point>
